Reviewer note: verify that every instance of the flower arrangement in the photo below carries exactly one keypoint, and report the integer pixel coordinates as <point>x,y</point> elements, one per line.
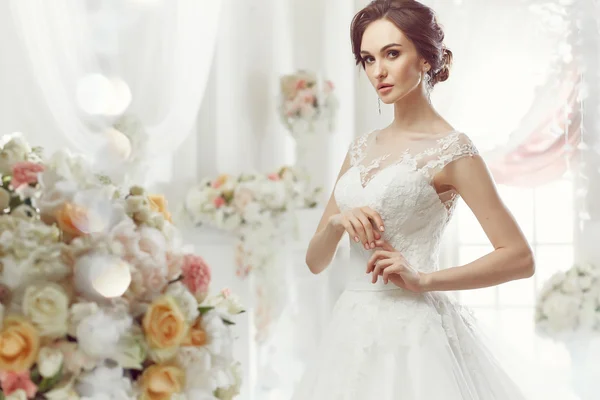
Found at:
<point>249,200</point>
<point>305,100</point>
<point>253,207</point>
<point>569,303</point>
<point>98,297</point>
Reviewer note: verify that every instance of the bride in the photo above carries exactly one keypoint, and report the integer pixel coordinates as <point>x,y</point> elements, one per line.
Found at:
<point>395,333</point>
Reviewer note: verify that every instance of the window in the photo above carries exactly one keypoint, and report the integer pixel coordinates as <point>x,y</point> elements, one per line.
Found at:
<point>546,216</point>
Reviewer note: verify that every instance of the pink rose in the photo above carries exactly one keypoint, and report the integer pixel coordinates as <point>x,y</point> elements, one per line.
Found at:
<point>301,84</point>
<point>196,275</point>
<point>13,381</point>
<point>274,176</point>
<point>219,202</point>
<point>25,172</point>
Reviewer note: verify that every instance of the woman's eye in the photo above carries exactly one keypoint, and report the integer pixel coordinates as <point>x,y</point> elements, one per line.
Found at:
<point>368,60</point>
<point>393,53</point>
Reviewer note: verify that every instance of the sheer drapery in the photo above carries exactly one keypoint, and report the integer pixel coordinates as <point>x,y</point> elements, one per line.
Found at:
<point>161,50</point>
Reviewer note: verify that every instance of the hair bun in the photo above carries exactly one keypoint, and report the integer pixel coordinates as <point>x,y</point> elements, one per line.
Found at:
<point>444,72</point>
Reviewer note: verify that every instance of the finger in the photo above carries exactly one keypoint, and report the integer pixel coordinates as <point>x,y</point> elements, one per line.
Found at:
<point>377,220</point>
<point>377,255</point>
<point>384,245</point>
<point>351,231</point>
<point>368,230</point>
<point>380,266</point>
<point>396,269</point>
<point>359,229</point>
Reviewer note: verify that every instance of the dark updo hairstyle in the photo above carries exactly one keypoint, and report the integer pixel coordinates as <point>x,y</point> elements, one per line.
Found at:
<point>417,22</point>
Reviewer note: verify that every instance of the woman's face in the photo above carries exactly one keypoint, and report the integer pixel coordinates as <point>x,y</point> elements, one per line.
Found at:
<point>391,61</point>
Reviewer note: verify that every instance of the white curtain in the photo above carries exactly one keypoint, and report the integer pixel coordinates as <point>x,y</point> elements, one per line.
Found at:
<point>156,54</point>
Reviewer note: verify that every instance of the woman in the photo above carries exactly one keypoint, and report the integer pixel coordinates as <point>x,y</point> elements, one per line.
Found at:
<point>395,333</point>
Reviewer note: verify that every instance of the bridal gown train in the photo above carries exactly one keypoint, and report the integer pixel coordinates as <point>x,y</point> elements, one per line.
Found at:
<point>384,342</point>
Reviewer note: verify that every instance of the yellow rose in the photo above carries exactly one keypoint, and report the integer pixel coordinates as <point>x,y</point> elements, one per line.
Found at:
<point>19,345</point>
<point>160,382</point>
<point>196,335</point>
<point>158,203</point>
<point>164,324</point>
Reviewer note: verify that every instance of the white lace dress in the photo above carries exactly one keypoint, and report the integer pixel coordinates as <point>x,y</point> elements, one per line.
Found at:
<point>383,342</point>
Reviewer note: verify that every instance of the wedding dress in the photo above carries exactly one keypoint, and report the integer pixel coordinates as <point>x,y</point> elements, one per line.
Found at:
<point>384,342</point>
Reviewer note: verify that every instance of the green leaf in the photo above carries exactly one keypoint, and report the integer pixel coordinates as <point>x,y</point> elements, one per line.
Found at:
<point>35,375</point>
<point>227,322</point>
<point>205,309</point>
<point>49,383</point>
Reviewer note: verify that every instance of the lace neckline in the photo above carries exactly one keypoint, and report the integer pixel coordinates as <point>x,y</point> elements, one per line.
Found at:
<point>371,169</point>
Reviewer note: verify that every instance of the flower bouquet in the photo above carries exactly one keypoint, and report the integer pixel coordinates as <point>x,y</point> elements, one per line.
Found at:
<point>569,303</point>
<point>98,297</point>
<point>305,101</point>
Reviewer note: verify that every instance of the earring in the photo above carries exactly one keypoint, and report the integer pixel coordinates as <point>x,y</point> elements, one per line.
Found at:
<point>379,104</point>
<point>427,78</point>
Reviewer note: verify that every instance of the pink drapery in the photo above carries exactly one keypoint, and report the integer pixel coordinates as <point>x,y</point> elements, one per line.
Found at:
<point>550,148</point>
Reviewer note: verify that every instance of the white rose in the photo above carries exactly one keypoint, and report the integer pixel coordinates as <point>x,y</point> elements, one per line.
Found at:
<point>18,394</point>
<point>131,351</point>
<point>14,151</point>
<point>49,361</point>
<point>18,145</point>
<point>185,299</point>
<point>98,335</point>
<point>47,306</point>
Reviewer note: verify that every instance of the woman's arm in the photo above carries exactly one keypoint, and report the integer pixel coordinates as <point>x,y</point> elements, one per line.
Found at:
<point>323,245</point>
<point>512,257</point>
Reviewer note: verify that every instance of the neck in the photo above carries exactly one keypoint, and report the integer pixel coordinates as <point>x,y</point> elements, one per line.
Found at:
<point>414,112</point>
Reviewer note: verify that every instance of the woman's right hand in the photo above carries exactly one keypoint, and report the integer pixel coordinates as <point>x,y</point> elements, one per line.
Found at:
<point>363,224</point>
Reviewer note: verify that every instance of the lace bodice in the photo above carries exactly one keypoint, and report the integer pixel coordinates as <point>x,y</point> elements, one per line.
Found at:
<point>398,184</point>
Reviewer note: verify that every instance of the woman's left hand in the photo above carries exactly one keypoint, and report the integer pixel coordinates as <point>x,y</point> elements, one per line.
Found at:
<point>393,267</point>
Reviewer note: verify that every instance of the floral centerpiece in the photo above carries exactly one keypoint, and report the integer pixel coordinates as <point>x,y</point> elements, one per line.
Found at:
<point>253,207</point>
<point>569,303</point>
<point>98,297</point>
<point>306,100</point>
<point>308,108</point>
<point>249,200</point>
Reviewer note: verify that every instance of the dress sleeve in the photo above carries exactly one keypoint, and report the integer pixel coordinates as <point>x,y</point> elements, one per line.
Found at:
<point>452,148</point>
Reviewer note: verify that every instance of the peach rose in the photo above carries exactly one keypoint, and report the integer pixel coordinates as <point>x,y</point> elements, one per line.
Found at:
<point>219,181</point>
<point>72,219</point>
<point>196,336</point>
<point>160,382</point>
<point>164,324</point>
<point>19,345</point>
<point>158,203</point>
